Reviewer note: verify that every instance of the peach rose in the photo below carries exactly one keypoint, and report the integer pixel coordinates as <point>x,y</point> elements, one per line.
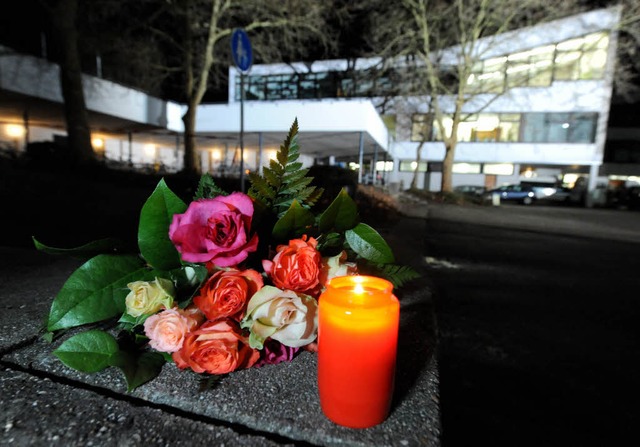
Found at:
<point>216,347</point>
<point>166,329</point>
<point>226,292</point>
<point>296,266</point>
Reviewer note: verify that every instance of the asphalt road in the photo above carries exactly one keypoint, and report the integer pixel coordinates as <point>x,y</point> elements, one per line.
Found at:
<point>538,312</point>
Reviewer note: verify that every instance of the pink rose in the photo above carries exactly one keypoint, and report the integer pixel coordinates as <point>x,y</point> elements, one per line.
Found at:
<point>215,230</point>
<point>296,266</point>
<point>216,347</point>
<point>166,329</point>
<point>226,292</point>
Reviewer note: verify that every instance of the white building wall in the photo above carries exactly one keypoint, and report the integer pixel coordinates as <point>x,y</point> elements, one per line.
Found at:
<point>329,115</point>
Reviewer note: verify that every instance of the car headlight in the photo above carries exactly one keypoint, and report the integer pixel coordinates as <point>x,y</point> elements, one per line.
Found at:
<point>548,191</point>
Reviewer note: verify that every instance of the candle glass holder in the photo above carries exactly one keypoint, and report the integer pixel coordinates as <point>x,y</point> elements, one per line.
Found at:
<point>358,320</point>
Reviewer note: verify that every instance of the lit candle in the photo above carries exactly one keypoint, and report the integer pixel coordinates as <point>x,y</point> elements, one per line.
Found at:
<point>358,318</point>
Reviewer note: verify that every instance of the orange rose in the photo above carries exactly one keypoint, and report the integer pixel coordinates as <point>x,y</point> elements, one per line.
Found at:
<point>296,266</point>
<point>226,293</point>
<point>217,347</point>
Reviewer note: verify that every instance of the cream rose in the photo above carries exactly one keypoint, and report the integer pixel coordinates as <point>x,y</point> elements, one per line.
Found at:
<point>334,266</point>
<point>284,315</point>
<point>148,297</point>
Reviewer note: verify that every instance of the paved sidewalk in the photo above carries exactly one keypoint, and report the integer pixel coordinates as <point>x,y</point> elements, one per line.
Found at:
<point>45,403</point>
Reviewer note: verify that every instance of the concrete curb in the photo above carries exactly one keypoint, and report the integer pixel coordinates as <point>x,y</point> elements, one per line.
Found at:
<point>45,402</point>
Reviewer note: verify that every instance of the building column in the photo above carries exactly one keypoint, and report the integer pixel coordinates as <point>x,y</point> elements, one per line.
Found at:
<point>374,177</point>
<point>259,167</point>
<point>361,157</point>
<point>591,185</point>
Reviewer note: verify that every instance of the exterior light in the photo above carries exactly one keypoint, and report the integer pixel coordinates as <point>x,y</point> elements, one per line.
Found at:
<point>150,149</point>
<point>15,130</point>
<point>97,143</point>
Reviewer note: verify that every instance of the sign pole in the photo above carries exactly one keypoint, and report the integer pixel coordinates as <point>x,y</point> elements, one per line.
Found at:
<point>242,131</point>
<point>243,57</point>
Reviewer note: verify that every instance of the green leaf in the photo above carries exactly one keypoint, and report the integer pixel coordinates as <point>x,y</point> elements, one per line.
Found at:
<point>189,275</point>
<point>138,369</point>
<point>366,242</point>
<point>88,351</point>
<point>153,231</point>
<point>340,215</point>
<point>295,222</point>
<point>84,251</point>
<point>130,322</point>
<point>96,291</point>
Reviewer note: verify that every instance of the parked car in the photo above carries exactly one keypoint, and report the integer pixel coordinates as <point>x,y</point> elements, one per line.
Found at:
<point>524,194</point>
<point>470,190</point>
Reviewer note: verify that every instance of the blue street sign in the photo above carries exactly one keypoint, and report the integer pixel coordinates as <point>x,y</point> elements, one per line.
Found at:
<point>241,49</point>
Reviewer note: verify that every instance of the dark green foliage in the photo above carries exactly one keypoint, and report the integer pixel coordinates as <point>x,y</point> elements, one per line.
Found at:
<point>207,188</point>
<point>285,180</point>
<point>397,274</point>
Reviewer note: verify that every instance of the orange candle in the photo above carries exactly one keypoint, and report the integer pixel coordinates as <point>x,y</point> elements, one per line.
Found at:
<point>358,318</point>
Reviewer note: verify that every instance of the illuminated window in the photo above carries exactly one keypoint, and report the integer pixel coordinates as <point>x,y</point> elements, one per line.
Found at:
<point>530,68</point>
<point>582,58</point>
<point>466,168</point>
<point>526,127</point>
<point>497,168</point>
<point>384,166</point>
<point>410,166</point>
<point>488,76</point>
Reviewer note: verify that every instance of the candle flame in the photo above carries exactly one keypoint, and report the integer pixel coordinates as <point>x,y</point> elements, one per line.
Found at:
<point>358,288</point>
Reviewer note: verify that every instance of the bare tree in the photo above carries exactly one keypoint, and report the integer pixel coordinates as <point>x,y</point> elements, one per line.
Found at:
<point>197,33</point>
<point>415,32</point>
<point>626,81</point>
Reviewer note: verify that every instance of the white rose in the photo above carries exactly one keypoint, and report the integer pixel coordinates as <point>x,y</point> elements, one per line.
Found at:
<point>284,315</point>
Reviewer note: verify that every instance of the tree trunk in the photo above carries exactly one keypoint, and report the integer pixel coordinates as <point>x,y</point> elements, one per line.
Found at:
<point>447,167</point>
<point>191,160</point>
<point>414,180</point>
<point>75,110</point>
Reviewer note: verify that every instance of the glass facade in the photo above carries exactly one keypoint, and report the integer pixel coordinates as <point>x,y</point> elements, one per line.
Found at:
<point>517,127</point>
<point>575,59</point>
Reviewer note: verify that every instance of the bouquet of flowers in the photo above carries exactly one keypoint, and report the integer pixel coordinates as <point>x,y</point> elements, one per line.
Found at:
<point>228,281</point>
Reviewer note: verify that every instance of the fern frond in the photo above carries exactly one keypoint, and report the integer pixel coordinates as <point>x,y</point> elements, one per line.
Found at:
<point>398,275</point>
<point>294,166</point>
<point>296,186</point>
<point>314,195</point>
<point>285,179</point>
<point>207,188</point>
